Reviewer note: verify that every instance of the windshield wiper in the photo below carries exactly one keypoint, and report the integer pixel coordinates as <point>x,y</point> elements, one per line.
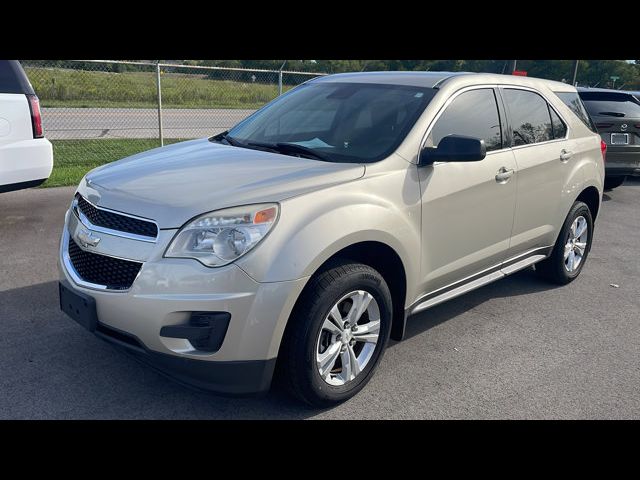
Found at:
<point>225,136</point>
<point>612,114</point>
<point>285,147</point>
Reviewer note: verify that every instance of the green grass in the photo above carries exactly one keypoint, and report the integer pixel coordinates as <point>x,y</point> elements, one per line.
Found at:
<point>73,158</point>
<point>79,88</point>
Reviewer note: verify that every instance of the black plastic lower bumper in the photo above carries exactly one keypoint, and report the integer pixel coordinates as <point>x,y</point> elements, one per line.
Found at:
<point>622,172</point>
<point>228,378</point>
<point>21,185</point>
<point>231,378</point>
<point>622,161</point>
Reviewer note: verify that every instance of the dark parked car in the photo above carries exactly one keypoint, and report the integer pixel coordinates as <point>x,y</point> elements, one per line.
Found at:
<point>616,114</point>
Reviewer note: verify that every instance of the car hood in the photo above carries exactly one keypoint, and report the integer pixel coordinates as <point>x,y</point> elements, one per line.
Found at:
<point>176,183</point>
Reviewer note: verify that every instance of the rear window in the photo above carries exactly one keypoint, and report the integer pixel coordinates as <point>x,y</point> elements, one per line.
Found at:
<point>530,118</point>
<point>13,79</point>
<point>572,100</point>
<point>611,104</point>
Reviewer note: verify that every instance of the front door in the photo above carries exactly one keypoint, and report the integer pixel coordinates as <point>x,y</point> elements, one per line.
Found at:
<point>467,207</point>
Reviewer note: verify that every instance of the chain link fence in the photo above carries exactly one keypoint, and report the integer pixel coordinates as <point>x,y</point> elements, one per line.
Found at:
<point>104,110</point>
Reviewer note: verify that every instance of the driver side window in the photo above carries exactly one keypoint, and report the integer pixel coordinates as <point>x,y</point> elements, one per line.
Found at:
<point>474,114</point>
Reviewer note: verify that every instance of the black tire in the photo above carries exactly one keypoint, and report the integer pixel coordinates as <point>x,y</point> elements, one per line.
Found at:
<point>553,268</point>
<point>297,359</point>
<point>613,182</point>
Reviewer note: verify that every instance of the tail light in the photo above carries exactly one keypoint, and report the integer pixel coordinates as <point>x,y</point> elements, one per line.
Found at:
<point>36,116</point>
<point>603,149</point>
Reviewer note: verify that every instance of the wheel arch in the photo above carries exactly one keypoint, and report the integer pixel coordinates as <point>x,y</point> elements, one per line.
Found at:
<point>591,196</point>
<point>379,256</point>
<point>384,259</point>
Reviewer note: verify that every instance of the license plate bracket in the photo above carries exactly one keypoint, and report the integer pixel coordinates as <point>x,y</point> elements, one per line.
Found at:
<point>80,307</point>
<point>619,139</point>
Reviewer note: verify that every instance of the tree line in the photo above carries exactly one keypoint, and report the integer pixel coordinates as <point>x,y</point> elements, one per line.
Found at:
<point>593,73</point>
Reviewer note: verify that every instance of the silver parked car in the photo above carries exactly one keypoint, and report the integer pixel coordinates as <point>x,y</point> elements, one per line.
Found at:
<point>301,240</point>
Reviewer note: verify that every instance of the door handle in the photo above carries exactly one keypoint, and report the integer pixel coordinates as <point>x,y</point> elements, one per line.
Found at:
<point>504,174</point>
<point>565,155</point>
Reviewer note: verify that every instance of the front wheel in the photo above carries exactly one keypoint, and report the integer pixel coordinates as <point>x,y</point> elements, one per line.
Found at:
<point>572,247</point>
<point>337,334</point>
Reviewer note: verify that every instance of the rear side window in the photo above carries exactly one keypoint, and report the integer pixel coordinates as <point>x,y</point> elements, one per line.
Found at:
<point>530,118</point>
<point>559,128</point>
<point>611,104</point>
<point>572,100</point>
<point>473,113</point>
<point>13,79</point>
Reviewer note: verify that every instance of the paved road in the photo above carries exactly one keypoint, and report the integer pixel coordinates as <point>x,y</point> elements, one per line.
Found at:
<point>83,123</point>
<point>518,348</point>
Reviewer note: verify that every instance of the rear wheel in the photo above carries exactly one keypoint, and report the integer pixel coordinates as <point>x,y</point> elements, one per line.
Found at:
<point>613,182</point>
<point>572,247</point>
<point>336,335</point>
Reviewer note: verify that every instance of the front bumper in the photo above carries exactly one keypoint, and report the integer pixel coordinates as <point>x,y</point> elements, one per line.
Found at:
<point>167,291</point>
<point>232,377</point>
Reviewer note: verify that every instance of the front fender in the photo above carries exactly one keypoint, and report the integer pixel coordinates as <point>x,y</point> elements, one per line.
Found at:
<point>316,226</point>
<point>312,228</point>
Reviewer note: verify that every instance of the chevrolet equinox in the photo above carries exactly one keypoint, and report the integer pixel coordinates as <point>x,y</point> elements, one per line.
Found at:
<point>301,240</point>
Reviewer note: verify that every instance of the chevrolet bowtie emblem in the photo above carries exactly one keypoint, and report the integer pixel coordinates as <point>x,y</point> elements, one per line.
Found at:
<point>87,239</point>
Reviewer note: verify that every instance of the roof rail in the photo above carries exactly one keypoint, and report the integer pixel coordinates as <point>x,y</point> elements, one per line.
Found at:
<point>439,83</point>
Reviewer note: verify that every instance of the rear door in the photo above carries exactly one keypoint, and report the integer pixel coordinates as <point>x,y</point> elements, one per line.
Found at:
<point>543,156</point>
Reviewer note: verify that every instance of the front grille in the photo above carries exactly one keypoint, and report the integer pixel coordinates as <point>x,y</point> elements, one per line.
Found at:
<point>114,273</point>
<point>114,221</point>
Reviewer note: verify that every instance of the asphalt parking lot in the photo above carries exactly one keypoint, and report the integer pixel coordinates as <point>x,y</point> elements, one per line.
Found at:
<point>518,348</point>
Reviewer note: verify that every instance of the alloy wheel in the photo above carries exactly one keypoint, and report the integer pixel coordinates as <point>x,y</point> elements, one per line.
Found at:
<point>576,246</point>
<point>348,338</point>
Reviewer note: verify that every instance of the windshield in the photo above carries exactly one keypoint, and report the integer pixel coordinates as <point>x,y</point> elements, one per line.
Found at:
<point>340,122</point>
<point>611,104</point>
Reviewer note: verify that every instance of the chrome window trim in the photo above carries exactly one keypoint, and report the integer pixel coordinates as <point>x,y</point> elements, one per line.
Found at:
<point>457,93</point>
<point>116,233</point>
<point>70,269</point>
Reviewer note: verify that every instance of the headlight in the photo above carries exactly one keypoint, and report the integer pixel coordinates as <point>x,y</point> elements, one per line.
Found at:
<point>218,238</point>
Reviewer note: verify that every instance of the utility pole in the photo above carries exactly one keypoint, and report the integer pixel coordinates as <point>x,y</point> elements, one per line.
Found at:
<point>512,66</point>
<point>614,78</point>
<point>575,72</point>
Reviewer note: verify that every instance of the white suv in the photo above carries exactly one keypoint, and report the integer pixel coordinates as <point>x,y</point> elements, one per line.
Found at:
<point>26,157</point>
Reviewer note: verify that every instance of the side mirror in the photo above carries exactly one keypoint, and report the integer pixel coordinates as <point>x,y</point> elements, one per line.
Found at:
<point>454,148</point>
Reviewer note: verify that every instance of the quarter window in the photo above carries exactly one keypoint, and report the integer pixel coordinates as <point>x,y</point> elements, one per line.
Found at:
<point>474,114</point>
<point>572,100</point>
<point>530,118</point>
<point>559,128</point>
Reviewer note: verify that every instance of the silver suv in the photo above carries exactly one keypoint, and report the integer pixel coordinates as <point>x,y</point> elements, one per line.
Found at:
<point>301,240</point>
